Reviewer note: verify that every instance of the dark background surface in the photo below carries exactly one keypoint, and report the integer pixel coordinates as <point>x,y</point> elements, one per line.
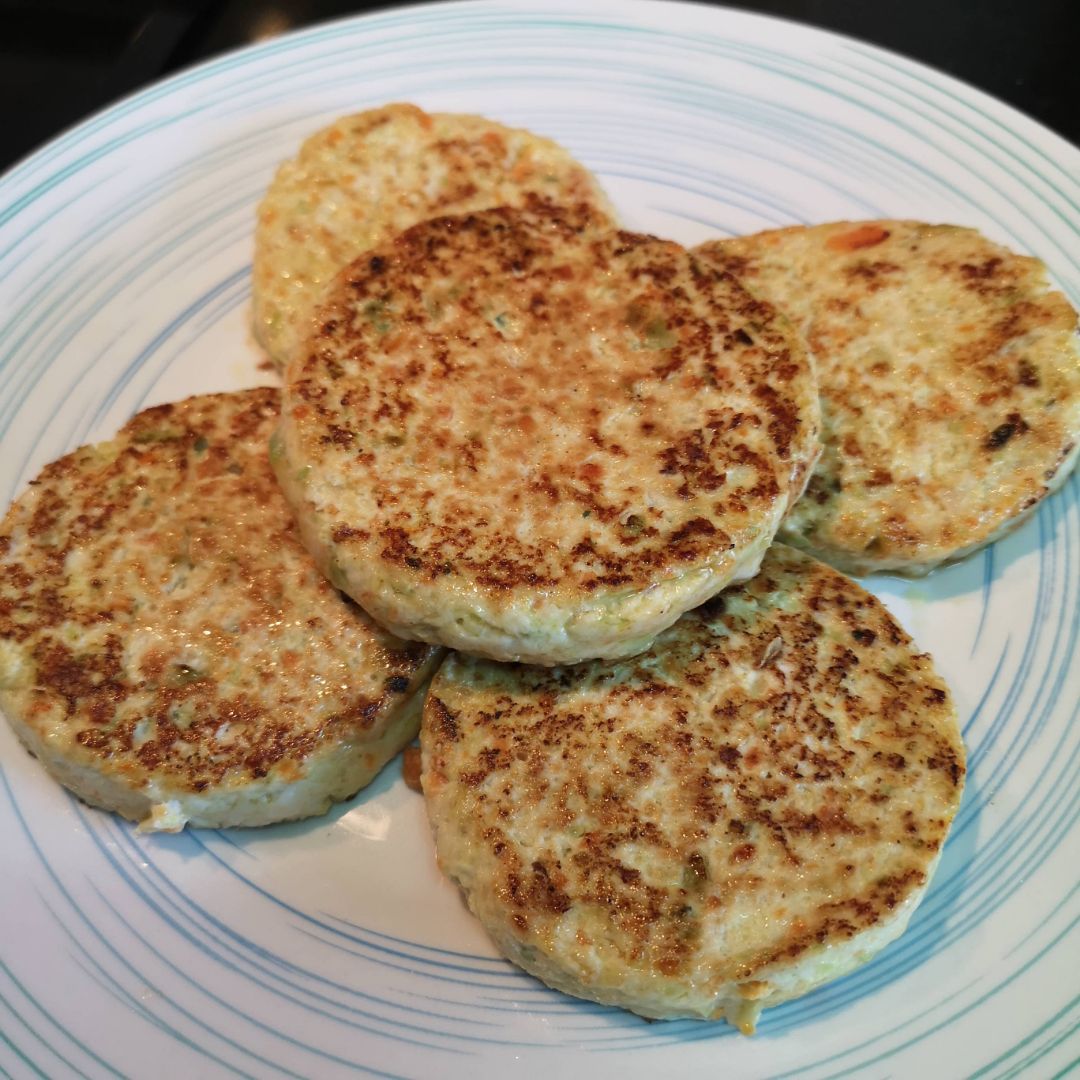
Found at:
<point>61,60</point>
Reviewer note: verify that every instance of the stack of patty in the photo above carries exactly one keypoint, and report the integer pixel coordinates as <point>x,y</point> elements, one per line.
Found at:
<point>674,766</point>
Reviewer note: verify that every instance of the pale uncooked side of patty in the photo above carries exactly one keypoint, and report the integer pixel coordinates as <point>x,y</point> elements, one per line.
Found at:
<point>749,809</point>
<point>168,648</point>
<point>526,434</point>
<point>364,178</point>
<point>950,385</point>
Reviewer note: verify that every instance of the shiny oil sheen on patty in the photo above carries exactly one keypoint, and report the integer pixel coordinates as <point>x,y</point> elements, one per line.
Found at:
<point>950,385</point>
<point>169,650</point>
<point>749,809</point>
<point>529,435</point>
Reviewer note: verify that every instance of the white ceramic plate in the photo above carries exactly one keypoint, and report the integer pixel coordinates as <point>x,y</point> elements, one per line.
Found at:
<point>332,947</point>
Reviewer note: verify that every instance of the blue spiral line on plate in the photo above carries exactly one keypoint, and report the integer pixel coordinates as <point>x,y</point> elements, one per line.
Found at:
<point>39,226</point>
<point>941,182</point>
<point>958,132</point>
<point>352,928</point>
<point>976,712</point>
<point>892,1050</point>
<point>204,300</point>
<point>125,998</point>
<point>94,969</point>
<point>716,183</point>
<point>77,166</point>
<point>521,986</point>
<point>473,984</point>
<point>227,1007</point>
<point>217,956</point>
<point>510,972</point>
<point>148,198</point>
<point>1006,886</point>
<point>124,378</point>
<point>91,157</point>
<point>987,587</point>
<point>833,92</point>
<point>1058,907</point>
<point>34,373</point>
<point>7,1038</point>
<point>854,100</point>
<point>10,1042</point>
<point>968,1008</point>
<point>1023,670</point>
<point>1004,714</point>
<point>1064,821</point>
<point>1066,644</point>
<point>111,949</point>
<point>50,1043</point>
<point>1057,827</point>
<point>133,368</point>
<point>121,839</point>
<point>1040,1051</point>
<point>947,92</point>
<point>97,974</point>
<point>725,228</point>
<point>439,973</point>
<point>224,835</point>
<point>993,125</point>
<point>1004,840</point>
<point>202,946</point>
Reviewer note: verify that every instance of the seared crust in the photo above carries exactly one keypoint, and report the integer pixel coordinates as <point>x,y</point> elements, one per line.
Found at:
<point>157,613</point>
<point>950,385</point>
<point>364,178</point>
<point>528,435</point>
<point>751,808</point>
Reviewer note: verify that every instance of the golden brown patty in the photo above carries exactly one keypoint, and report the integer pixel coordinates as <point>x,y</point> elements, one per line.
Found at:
<point>366,177</point>
<point>528,435</point>
<point>950,385</point>
<point>749,809</point>
<point>168,648</point>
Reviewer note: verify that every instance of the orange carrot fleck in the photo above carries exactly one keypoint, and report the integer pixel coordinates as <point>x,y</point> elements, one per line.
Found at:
<point>861,237</point>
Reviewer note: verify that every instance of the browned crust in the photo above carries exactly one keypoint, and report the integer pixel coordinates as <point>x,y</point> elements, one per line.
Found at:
<point>157,584</point>
<point>642,412</point>
<point>775,776</point>
<point>364,178</point>
<point>950,384</point>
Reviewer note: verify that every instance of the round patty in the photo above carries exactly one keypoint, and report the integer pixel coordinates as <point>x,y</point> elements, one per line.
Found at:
<point>366,177</point>
<point>158,624</point>
<point>950,385</point>
<point>750,809</point>
<point>527,435</point>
